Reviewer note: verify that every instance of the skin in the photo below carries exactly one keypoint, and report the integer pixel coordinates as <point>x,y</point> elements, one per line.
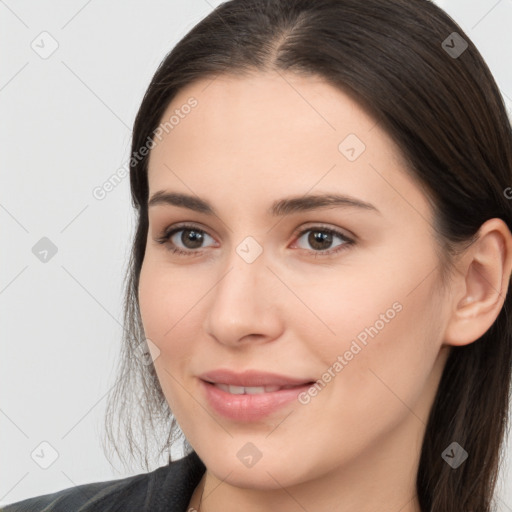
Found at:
<point>356,444</point>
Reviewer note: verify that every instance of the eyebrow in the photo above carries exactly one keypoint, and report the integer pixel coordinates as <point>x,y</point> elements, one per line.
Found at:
<point>279,208</point>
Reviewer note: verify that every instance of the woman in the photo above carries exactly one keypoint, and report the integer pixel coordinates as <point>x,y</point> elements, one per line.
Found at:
<point>320,268</point>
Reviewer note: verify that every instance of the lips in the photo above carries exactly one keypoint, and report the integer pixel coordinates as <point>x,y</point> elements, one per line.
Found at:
<point>249,407</point>
<point>249,390</point>
<point>250,396</point>
<point>252,379</point>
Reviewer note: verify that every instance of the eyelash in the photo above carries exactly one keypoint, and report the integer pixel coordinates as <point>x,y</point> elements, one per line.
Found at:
<point>166,236</point>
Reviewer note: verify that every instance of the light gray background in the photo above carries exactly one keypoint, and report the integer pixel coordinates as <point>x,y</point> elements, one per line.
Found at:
<point>65,129</point>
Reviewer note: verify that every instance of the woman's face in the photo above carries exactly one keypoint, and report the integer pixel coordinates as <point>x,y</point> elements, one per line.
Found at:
<point>342,295</point>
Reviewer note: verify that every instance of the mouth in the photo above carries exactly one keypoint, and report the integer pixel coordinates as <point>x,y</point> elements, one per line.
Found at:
<point>254,390</point>
<point>252,379</point>
<point>250,403</point>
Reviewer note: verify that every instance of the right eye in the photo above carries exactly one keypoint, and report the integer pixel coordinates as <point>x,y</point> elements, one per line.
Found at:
<point>190,234</point>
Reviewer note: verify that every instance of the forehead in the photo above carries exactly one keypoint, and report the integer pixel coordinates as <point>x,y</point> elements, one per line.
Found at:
<point>272,107</point>
<point>274,131</point>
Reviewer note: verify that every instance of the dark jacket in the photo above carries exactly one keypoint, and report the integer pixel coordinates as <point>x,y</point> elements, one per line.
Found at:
<point>166,489</point>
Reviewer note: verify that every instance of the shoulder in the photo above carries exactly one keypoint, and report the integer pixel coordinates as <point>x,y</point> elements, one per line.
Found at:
<point>81,497</point>
<point>167,486</point>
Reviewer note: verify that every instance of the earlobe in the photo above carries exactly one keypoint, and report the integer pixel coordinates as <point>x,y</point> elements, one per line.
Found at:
<point>484,279</point>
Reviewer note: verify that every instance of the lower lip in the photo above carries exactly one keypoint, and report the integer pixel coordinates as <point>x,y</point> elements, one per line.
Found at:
<point>249,407</point>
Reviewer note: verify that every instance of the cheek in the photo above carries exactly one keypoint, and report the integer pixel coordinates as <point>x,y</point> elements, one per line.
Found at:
<point>164,298</point>
<point>161,309</point>
<point>172,306</point>
<point>384,344</point>
<point>150,302</point>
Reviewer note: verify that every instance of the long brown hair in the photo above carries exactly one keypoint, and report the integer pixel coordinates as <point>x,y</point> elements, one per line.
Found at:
<point>438,100</point>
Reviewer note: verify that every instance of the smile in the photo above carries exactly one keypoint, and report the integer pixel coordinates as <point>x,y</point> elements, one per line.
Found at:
<point>253,390</point>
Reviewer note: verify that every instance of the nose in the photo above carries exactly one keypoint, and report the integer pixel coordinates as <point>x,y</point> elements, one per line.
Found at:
<point>244,304</point>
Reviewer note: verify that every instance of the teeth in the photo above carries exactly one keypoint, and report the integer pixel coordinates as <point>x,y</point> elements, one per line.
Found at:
<point>256,390</point>
<point>236,390</point>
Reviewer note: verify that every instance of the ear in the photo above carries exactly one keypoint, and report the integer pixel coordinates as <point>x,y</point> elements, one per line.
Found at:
<point>481,285</point>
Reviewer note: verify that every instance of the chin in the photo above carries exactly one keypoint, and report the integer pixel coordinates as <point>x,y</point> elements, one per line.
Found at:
<point>273,470</point>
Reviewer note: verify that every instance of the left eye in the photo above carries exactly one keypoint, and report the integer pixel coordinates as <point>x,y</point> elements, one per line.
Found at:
<point>191,237</point>
<point>319,237</point>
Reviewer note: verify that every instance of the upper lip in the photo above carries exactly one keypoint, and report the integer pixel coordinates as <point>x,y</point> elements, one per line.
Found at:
<point>251,378</point>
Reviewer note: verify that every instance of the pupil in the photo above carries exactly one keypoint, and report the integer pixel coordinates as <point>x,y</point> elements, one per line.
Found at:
<point>194,237</point>
<point>317,238</point>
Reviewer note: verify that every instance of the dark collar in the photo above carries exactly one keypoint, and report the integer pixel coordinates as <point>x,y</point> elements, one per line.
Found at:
<point>175,484</point>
